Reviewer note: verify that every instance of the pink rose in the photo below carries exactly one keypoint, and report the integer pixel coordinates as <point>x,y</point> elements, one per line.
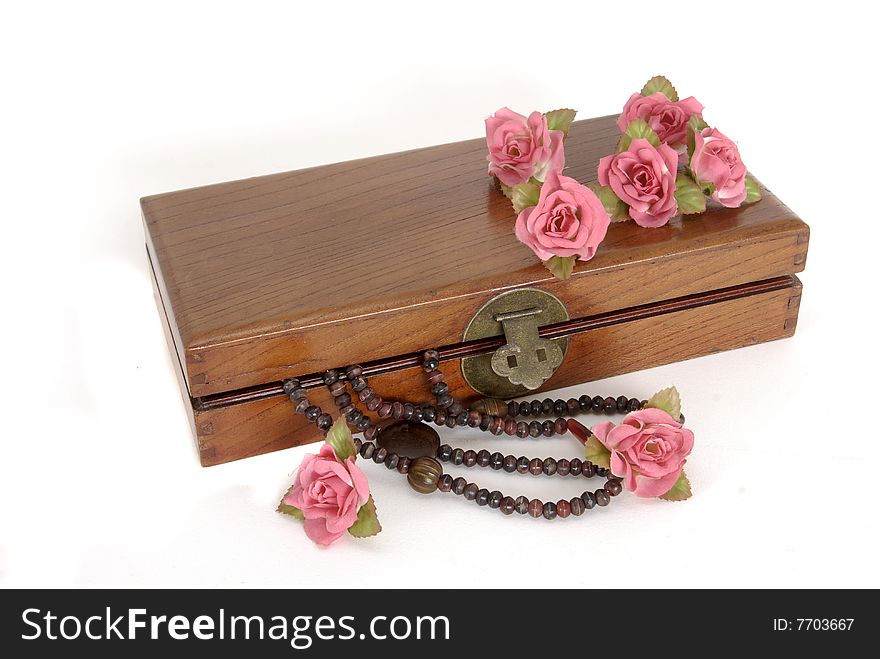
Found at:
<point>521,147</point>
<point>666,118</point>
<point>648,450</point>
<point>716,160</point>
<point>643,177</point>
<point>569,220</point>
<point>329,492</point>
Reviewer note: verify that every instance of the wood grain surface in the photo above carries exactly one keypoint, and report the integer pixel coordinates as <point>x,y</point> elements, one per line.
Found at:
<point>234,431</point>
<point>293,273</point>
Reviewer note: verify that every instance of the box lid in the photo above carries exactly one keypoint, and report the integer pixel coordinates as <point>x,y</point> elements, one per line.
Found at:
<point>288,274</point>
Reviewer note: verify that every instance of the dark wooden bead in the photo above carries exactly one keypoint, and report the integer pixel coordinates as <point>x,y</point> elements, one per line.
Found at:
<point>444,453</point>
<point>548,428</point>
<point>536,408</point>
<point>344,411</point>
<point>598,403</point>
<point>577,506</point>
<point>392,460</point>
<point>549,510</point>
<point>522,429</point>
<point>547,406</point>
<point>470,491</point>
<point>461,419</point>
<point>535,429</point>
<point>512,408</point>
<point>602,497</point>
<point>403,464</point>
<point>563,508</point>
<point>536,466</point>
<point>482,497</point>
<point>423,475</point>
<point>358,384</point>
<point>353,372</point>
<point>303,405</point>
<point>589,469</point>
<point>483,458</point>
<point>342,400</point>
<point>577,466</point>
<point>589,500</point>
<point>290,385</point>
<point>370,433</point>
<point>455,409</point>
<point>613,487</point>
<point>486,421</point>
<point>337,388</point>
<point>458,456</point>
<point>510,427</point>
<point>496,461</point>
<point>374,403</point>
<point>495,498</point>
<point>417,415</point>
<point>585,402</point>
<point>445,483</point>
<point>469,458</point>
<point>632,405</point>
<point>298,394</point>
<point>522,465</point>
<point>536,507</point>
<point>367,450</point>
<point>364,423</point>
<point>507,505</point>
<point>451,421</point>
<point>365,394</point>
<point>397,409</point>
<point>444,401</point>
<point>522,505</point>
<point>384,410</point>
<point>560,426</point>
<point>497,426</point>
<point>430,363</point>
<point>609,406</point>
<point>312,412</point>
<point>621,404</point>
<point>440,388</point>
<point>357,444</point>
<point>573,406</point>
<point>559,407</point>
<point>435,376</point>
<point>458,485</point>
<point>563,467</point>
<point>431,353</point>
<point>525,409</point>
<point>379,455</point>
<point>354,416</point>
<point>642,404</point>
<point>602,471</point>
<point>440,417</point>
<point>324,422</point>
<point>429,412</point>
<point>474,418</point>
<point>509,464</point>
<point>408,410</point>
<point>549,466</point>
<point>330,377</point>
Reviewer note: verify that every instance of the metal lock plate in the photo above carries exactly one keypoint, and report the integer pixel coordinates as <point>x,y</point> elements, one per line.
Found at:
<point>526,360</point>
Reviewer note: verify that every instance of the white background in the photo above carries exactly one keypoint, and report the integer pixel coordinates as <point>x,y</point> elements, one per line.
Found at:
<point>105,103</point>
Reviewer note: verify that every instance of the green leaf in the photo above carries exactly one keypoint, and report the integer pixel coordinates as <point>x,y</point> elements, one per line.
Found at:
<point>667,400</point>
<point>340,439</point>
<point>695,125</point>
<point>689,196</point>
<point>617,210</point>
<point>662,85</point>
<point>289,510</point>
<point>637,129</point>
<point>680,491</point>
<point>560,119</point>
<point>560,266</point>
<point>753,190</point>
<point>505,189</point>
<point>524,195</point>
<point>595,452</point>
<point>367,523</point>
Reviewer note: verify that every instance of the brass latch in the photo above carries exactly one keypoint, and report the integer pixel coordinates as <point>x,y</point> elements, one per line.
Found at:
<point>526,360</point>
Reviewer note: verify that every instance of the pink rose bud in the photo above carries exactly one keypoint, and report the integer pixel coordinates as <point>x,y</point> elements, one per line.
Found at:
<point>569,220</point>
<point>643,177</point>
<point>716,160</point>
<point>648,450</point>
<point>520,147</point>
<point>329,492</point>
<point>666,118</point>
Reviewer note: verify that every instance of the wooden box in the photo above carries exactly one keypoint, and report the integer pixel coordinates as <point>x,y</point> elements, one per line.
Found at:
<point>374,260</point>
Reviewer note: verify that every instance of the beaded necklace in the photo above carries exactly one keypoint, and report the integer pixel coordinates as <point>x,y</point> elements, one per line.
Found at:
<point>412,448</point>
